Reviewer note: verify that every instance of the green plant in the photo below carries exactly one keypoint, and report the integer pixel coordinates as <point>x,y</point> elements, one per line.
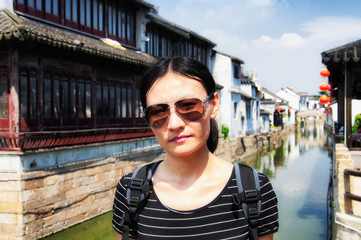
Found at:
<point>225,131</point>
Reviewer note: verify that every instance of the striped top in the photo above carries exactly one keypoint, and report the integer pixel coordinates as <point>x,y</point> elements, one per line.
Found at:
<point>220,219</point>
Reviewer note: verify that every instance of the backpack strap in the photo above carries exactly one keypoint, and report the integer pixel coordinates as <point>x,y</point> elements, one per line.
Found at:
<point>137,194</point>
<point>248,195</point>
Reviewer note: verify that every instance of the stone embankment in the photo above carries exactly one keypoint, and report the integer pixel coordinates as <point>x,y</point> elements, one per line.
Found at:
<point>43,193</point>
<point>346,214</point>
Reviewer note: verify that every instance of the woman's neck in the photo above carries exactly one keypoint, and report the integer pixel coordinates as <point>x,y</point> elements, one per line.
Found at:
<point>188,167</point>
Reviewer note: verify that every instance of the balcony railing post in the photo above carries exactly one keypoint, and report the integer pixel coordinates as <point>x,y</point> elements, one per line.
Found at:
<point>49,139</point>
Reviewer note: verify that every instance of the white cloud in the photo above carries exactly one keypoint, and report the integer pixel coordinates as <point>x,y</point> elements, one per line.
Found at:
<point>258,32</point>
<point>292,40</point>
<point>331,31</point>
<point>288,40</point>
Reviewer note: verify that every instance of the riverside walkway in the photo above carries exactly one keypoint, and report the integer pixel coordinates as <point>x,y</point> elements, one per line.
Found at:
<point>346,214</point>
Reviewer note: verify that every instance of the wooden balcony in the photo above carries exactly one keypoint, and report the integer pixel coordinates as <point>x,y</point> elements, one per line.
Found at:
<point>25,141</point>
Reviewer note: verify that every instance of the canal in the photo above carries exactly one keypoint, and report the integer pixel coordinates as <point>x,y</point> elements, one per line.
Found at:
<point>299,169</point>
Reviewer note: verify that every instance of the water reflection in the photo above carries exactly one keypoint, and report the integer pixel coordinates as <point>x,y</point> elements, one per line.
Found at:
<point>298,166</point>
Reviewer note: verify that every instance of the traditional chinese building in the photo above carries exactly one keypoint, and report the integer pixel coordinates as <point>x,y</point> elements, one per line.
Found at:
<point>344,65</point>
<point>70,115</point>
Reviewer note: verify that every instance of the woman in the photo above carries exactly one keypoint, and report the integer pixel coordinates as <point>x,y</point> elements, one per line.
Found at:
<point>191,195</point>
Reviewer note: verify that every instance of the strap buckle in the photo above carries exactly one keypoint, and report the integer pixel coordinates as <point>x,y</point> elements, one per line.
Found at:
<point>136,184</point>
<point>251,196</point>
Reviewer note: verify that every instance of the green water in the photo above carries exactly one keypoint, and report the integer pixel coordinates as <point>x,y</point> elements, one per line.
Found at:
<point>298,167</point>
<point>99,228</point>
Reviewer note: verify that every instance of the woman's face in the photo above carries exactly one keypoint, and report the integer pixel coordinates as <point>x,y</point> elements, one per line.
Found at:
<point>177,136</point>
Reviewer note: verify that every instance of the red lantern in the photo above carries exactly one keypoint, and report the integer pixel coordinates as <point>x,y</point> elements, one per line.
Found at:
<point>324,99</point>
<point>324,87</point>
<point>325,73</point>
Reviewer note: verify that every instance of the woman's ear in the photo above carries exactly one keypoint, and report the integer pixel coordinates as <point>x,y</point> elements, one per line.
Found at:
<point>215,105</point>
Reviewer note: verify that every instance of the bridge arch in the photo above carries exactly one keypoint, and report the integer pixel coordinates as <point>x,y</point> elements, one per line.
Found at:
<point>305,115</point>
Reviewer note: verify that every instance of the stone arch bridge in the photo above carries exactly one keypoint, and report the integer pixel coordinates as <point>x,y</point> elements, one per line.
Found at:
<point>307,114</point>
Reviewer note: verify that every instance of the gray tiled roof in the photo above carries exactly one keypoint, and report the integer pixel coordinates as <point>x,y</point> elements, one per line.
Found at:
<point>155,18</point>
<point>350,52</point>
<point>142,3</point>
<point>233,58</point>
<point>14,26</point>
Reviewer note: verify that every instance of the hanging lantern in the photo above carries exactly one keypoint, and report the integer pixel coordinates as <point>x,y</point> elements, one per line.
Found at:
<point>324,86</point>
<point>324,99</point>
<point>325,73</point>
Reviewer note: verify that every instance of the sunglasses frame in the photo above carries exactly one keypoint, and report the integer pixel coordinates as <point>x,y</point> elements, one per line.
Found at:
<point>204,102</point>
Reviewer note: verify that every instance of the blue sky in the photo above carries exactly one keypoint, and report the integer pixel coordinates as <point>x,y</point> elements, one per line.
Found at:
<point>281,40</point>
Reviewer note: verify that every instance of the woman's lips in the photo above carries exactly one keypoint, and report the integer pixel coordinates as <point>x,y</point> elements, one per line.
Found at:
<point>180,139</point>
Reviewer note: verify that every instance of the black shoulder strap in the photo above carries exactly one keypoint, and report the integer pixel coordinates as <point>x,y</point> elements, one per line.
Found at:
<point>137,196</point>
<point>248,195</point>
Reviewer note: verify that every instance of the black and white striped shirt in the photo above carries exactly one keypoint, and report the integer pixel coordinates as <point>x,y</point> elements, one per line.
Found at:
<point>220,219</point>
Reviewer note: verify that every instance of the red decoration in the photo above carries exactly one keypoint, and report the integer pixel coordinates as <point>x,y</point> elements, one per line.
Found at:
<point>324,99</point>
<point>324,86</point>
<point>325,73</point>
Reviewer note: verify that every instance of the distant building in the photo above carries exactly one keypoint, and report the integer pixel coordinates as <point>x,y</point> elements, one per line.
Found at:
<point>227,73</point>
<point>293,100</point>
<point>251,92</point>
<point>275,105</point>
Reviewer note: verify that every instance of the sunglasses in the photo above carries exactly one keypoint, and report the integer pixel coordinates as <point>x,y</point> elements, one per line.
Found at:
<point>190,109</point>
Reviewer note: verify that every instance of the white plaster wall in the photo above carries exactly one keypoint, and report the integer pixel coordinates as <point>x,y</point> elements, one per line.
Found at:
<point>6,4</point>
<point>292,98</point>
<point>246,88</point>
<point>267,96</point>
<point>270,108</point>
<point>222,74</point>
<point>236,124</point>
<point>10,162</point>
<point>265,126</point>
<point>334,108</point>
<point>356,109</point>
<point>311,104</point>
<point>255,117</point>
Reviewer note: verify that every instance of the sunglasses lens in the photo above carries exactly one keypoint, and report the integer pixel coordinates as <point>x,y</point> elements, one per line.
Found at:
<point>156,115</point>
<point>190,109</point>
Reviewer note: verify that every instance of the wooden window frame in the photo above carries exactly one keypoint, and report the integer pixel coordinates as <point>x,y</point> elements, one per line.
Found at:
<point>51,16</point>
<point>4,117</point>
<point>53,121</point>
<point>77,14</point>
<point>30,121</point>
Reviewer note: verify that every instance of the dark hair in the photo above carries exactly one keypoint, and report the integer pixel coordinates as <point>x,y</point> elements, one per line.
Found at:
<point>187,67</point>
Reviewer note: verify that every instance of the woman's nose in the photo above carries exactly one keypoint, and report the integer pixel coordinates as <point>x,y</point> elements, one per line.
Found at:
<point>174,121</point>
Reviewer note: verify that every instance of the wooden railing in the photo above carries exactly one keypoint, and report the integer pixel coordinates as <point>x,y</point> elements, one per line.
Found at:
<point>354,140</point>
<point>356,173</point>
<point>50,139</point>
